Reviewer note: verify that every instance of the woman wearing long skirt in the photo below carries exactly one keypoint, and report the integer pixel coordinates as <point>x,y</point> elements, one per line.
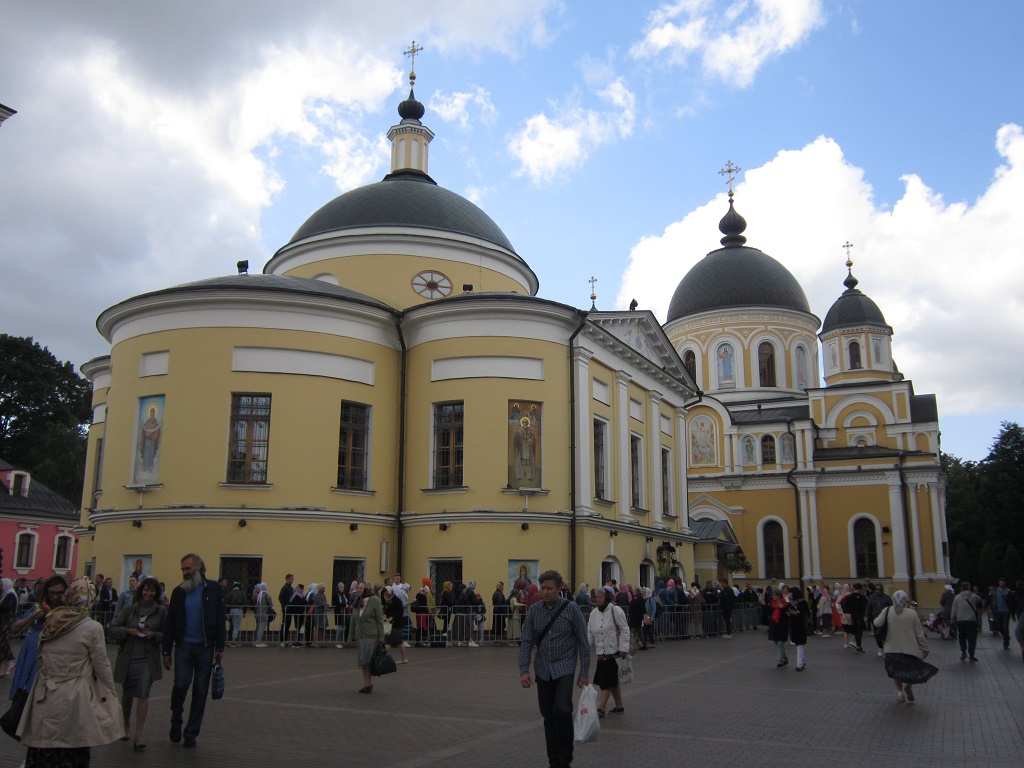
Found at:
<point>905,647</point>
<point>366,631</point>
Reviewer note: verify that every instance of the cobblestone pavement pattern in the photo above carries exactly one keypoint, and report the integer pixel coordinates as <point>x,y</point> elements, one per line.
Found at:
<point>707,702</point>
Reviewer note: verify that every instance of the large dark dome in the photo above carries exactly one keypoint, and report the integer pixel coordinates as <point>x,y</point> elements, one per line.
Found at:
<point>406,198</point>
<point>736,276</point>
<point>853,309</point>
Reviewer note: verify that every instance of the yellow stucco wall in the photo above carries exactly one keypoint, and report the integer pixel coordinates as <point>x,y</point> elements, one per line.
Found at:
<point>363,273</point>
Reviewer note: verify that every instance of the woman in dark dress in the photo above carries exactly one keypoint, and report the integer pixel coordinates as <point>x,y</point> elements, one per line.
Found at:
<point>139,629</point>
<point>395,611</point>
<point>799,616</point>
<point>8,609</point>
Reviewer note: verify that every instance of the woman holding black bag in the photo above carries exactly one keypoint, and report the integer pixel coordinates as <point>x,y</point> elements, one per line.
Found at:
<point>367,631</point>
<point>905,647</point>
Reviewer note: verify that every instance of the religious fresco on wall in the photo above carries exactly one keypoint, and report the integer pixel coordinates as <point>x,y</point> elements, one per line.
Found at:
<point>786,447</point>
<point>702,442</point>
<point>749,454</point>
<point>147,440</point>
<point>801,368</point>
<point>522,573</point>
<point>876,345</point>
<point>524,444</point>
<point>726,365</point>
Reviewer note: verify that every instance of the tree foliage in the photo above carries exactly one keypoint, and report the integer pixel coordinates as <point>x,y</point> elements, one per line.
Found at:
<point>44,408</point>
<point>985,510</point>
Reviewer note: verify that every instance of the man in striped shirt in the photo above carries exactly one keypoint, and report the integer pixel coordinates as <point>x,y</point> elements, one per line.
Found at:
<point>558,625</point>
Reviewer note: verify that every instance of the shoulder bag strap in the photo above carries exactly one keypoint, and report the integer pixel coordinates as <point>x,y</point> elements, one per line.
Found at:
<point>554,618</point>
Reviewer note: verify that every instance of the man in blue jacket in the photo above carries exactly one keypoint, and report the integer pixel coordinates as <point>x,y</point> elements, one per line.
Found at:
<point>194,629</point>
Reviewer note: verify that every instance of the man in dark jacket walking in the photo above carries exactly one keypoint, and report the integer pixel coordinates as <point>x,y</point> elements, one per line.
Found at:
<point>194,631</point>
<point>856,604</point>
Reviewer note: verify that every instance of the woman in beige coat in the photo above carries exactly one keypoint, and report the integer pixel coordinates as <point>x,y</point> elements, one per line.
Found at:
<point>72,705</point>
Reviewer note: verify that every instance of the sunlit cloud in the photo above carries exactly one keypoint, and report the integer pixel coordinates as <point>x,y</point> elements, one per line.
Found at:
<point>911,260</point>
<point>732,40</point>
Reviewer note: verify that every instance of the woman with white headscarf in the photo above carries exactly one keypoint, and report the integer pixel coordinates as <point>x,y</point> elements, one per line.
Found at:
<point>8,609</point>
<point>262,605</point>
<point>905,647</point>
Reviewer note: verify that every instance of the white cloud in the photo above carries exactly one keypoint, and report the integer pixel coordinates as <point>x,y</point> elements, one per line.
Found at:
<point>944,274</point>
<point>733,39</point>
<point>454,108</point>
<point>547,146</point>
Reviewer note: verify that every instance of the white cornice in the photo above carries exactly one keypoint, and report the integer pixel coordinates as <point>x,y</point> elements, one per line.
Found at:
<point>237,309</point>
<point>490,315</point>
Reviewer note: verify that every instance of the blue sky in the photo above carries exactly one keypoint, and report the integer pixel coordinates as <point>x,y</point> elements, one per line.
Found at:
<point>160,143</point>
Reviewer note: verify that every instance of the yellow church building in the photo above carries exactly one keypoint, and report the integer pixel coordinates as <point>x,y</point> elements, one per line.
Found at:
<point>391,394</point>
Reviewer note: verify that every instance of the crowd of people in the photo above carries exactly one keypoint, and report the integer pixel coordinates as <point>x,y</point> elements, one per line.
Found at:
<point>188,631</point>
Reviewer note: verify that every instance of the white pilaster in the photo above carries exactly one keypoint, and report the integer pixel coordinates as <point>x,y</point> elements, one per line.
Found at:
<point>899,534</point>
<point>624,491</point>
<point>654,453</point>
<point>584,441</point>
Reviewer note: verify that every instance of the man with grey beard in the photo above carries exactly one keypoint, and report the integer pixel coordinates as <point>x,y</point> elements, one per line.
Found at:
<point>194,629</point>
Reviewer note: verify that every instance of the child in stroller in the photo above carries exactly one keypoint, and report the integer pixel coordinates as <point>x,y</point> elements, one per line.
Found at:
<point>937,624</point>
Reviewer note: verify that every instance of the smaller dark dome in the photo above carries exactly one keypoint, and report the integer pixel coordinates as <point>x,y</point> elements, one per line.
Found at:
<point>853,309</point>
<point>410,109</point>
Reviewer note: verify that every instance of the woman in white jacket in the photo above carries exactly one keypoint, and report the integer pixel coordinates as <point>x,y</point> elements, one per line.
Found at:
<point>608,632</point>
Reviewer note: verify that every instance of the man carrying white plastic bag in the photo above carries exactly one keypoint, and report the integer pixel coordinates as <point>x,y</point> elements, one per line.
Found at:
<point>586,724</point>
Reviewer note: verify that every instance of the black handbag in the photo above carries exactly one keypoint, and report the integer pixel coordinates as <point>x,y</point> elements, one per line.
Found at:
<point>382,663</point>
<point>12,717</point>
<point>218,682</point>
<point>882,631</point>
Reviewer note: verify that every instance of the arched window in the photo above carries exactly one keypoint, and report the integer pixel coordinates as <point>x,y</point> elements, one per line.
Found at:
<point>25,550</point>
<point>690,363</point>
<point>854,355</point>
<point>766,364</point>
<point>774,553</point>
<point>62,553</point>
<point>865,549</point>
<point>767,449</point>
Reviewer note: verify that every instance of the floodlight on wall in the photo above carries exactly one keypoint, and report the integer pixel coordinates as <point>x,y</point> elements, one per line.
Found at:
<point>136,523</point>
<point>613,533</point>
<point>525,526</point>
<point>242,523</point>
<point>443,527</point>
<point>353,526</point>
<point>243,267</point>
<point>650,539</point>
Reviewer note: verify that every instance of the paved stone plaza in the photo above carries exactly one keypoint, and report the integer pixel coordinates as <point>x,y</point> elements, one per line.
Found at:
<point>708,702</point>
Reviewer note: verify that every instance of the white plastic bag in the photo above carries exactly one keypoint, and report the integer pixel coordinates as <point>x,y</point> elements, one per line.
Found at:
<point>625,665</point>
<point>585,723</point>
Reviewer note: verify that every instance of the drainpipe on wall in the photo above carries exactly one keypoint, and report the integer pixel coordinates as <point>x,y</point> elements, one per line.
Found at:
<point>906,526</point>
<point>401,444</point>
<point>572,448</point>
<point>796,505</point>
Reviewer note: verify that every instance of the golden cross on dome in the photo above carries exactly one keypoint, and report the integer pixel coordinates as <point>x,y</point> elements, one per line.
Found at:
<point>729,171</point>
<point>846,247</point>
<point>413,50</point>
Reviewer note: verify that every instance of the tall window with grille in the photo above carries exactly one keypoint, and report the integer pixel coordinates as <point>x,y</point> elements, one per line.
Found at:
<point>767,450</point>
<point>353,443</point>
<point>600,461</point>
<point>250,439</point>
<point>774,552</point>
<point>865,548</point>
<point>448,452</point>
<point>636,452</point>
<point>690,363</point>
